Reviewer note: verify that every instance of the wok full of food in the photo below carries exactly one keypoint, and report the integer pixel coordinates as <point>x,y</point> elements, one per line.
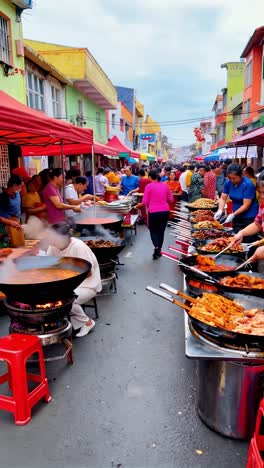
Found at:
<point>243,281</point>
<point>218,245</point>
<point>208,265</point>
<point>208,225</point>
<point>202,217</point>
<point>202,203</point>
<point>43,279</point>
<point>219,311</point>
<point>101,243</point>
<point>207,234</point>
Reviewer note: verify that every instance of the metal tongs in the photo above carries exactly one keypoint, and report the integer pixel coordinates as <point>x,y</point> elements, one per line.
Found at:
<point>209,278</point>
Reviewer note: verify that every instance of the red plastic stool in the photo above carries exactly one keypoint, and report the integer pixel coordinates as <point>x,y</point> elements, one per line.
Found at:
<point>255,459</point>
<point>16,350</point>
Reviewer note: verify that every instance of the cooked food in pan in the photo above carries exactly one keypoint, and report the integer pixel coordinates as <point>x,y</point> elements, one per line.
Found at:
<point>40,275</point>
<point>207,264</point>
<point>202,217</point>
<point>202,203</point>
<point>219,311</point>
<point>208,225</point>
<point>202,212</point>
<point>252,323</point>
<point>219,244</point>
<point>210,234</point>
<point>243,281</point>
<point>101,243</point>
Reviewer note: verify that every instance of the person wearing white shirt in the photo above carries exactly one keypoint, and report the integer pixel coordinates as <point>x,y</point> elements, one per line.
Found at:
<point>73,193</point>
<point>100,182</point>
<point>63,245</point>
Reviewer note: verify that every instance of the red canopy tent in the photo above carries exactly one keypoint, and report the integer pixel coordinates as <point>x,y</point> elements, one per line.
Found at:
<point>68,148</point>
<point>21,125</point>
<point>122,148</point>
<point>201,157</point>
<point>255,138</point>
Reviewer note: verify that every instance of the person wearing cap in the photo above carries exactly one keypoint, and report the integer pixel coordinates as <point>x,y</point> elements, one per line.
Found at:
<point>62,244</point>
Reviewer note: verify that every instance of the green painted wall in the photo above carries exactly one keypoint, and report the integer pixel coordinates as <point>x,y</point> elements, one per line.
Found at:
<point>235,88</point>
<point>89,112</point>
<point>14,84</point>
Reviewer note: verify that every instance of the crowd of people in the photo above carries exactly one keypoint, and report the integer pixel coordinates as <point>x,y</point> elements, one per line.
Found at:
<point>42,196</point>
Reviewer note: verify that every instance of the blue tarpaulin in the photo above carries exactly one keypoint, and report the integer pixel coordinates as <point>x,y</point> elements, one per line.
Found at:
<point>214,156</point>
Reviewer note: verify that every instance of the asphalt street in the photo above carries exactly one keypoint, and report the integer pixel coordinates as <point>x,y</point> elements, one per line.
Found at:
<point>129,399</point>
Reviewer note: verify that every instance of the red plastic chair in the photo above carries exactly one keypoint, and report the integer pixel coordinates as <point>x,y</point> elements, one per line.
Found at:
<point>255,459</point>
<point>16,350</point>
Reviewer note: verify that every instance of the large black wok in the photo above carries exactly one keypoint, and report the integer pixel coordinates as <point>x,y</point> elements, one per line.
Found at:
<point>227,260</point>
<point>104,254</point>
<point>240,290</point>
<point>190,208</point>
<point>39,292</point>
<point>222,336</point>
<point>199,245</point>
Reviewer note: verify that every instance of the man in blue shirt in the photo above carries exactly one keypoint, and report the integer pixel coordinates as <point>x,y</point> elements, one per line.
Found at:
<point>10,199</point>
<point>167,171</point>
<point>129,182</point>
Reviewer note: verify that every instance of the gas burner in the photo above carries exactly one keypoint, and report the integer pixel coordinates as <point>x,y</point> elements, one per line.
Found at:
<point>49,337</point>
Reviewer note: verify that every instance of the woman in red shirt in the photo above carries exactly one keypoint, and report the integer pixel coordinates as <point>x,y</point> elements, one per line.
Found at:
<point>175,188</point>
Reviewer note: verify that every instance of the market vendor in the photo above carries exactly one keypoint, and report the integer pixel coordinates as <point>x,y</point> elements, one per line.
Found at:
<point>197,189</point>
<point>258,225</point>
<point>175,188</point>
<point>74,191</point>
<point>10,199</point>
<point>143,182</point>
<point>129,181</point>
<point>52,198</point>
<point>31,201</point>
<point>63,245</point>
<point>242,193</point>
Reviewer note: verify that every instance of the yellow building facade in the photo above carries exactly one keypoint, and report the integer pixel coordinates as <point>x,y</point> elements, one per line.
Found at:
<point>80,66</point>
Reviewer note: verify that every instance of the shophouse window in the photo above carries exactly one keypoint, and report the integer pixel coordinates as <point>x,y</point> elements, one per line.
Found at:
<point>247,108</point>
<point>35,91</point>
<point>98,123</point>
<point>249,74</point>
<point>5,49</point>
<point>221,132</point>
<point>224,98</point>
<point>121,125</point>
<point>113,120</point>
<point>127,131</point>
<point>56,105</point>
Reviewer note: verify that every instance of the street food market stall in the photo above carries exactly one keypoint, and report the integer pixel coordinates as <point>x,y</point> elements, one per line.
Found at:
<point>224,319</point>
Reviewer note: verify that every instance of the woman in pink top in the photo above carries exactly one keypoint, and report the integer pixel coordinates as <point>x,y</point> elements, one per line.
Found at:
<point>157,198</point>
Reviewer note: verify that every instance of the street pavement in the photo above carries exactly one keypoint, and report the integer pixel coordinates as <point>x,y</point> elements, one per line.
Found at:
<point>129,399</point>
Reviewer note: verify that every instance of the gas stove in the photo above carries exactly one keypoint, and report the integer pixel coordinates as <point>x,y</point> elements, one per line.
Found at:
<point>198,346</point>
<point>49,321</point>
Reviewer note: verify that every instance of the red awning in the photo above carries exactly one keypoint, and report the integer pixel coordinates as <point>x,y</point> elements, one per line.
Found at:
<point>55,150</point>
<point>255,137</point>
<point>201,157</point>
<point>122,148</point>
<point>24,126</point>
